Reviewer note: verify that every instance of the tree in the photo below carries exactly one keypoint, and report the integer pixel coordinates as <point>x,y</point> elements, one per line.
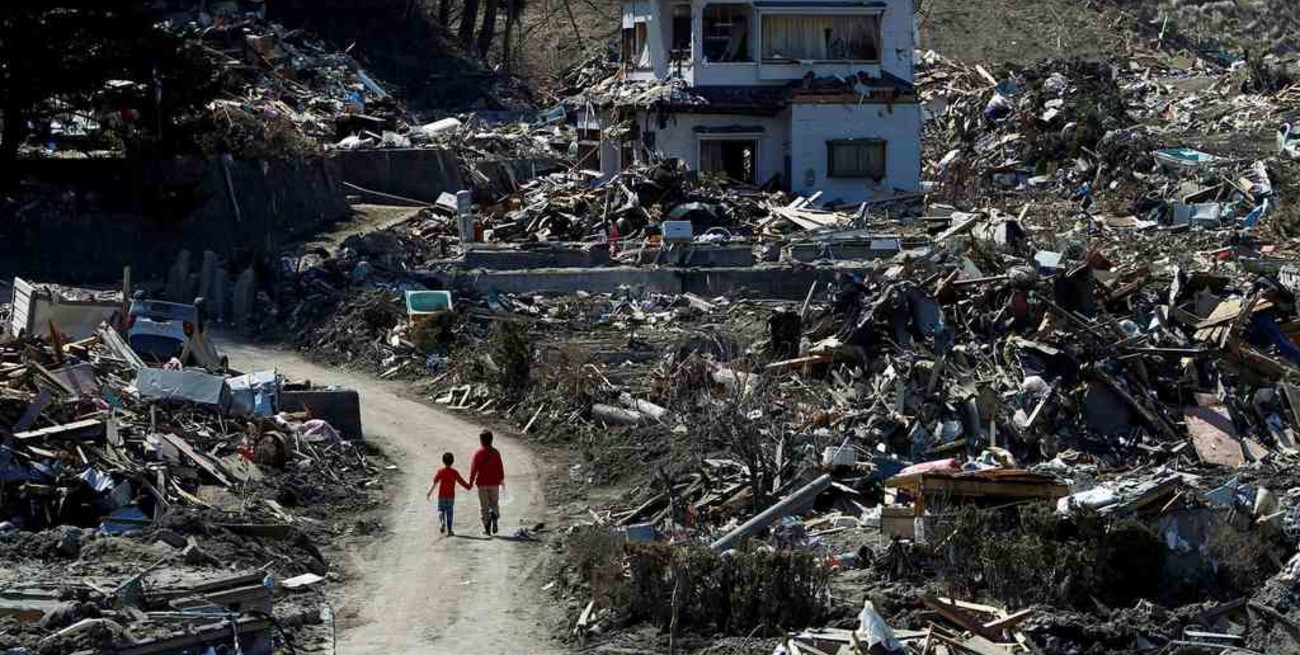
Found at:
<point>444,14</point>
<point>514,10</point>
<point>488,31</point>
<point>468,13</point>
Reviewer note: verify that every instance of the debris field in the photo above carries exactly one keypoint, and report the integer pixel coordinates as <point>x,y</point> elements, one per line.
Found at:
<point>1049,407</point>
<point>1049,403</point>
<point>167,510</point>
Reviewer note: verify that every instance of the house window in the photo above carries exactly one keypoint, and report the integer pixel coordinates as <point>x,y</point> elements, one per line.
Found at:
<point>589,149</point>
<point>629,145</point>
<point>636,46</point>
<point>821,38</point>
<point>860,158</point>
<point>734,158</point>
<point>681,32</point>
<point>726,32</point>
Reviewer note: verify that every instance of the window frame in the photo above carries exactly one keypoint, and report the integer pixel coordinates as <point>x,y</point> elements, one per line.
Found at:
<point>681,54</point>
<point>883,144</point>
<point>638,34</point>
<point>745,54</point>
<point>756,138</point>
<point>589,140</point>
<point>761,15</point>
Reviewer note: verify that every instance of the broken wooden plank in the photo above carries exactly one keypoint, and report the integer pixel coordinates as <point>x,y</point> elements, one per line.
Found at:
<point>1009,621</point>
<point>959,617</point>
<point>90,429</point>
<point>823,358</point>
<point>204,462</point>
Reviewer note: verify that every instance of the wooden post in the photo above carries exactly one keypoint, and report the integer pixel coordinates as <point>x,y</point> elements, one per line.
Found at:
<point>126,298</point>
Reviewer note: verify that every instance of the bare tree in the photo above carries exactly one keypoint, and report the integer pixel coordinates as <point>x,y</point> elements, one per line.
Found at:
<point>514,10</point>
<point>466,32</point>
<point>741,424</point>
<point>489,28</point>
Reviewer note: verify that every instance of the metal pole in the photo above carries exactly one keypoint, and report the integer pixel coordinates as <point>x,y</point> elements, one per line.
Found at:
<point>787,505</point>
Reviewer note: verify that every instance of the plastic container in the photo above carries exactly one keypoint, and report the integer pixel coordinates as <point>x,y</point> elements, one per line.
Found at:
<point>421,304</point>
<point>836,456</point>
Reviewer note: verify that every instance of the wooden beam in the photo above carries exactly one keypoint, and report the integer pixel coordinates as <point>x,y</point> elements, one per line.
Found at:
<point>959,616</point>
<point>1009,621</point>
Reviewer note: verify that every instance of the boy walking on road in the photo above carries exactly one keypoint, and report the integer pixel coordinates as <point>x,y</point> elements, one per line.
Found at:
<point>445,480</point>
<point>487,472</point>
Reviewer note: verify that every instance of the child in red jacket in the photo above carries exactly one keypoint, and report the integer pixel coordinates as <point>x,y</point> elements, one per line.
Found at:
<point>445,480</point>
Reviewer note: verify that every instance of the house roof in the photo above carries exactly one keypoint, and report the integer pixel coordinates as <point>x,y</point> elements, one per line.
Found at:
<point>675,95</point>
<point>734,99</point>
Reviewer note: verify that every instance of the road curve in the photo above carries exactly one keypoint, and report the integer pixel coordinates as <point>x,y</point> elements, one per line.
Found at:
<point>420,592</point>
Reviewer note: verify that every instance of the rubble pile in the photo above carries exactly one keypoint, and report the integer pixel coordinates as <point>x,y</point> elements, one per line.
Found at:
<point>564,207</point>
<point>1082,370</point>
<point>285,88</point>
<point>282,75</point>
<point>1026,125</point>
<point>1062,125</point>
<point>161,510</point>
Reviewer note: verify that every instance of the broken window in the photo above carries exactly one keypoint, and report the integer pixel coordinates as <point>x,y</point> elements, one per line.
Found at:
<point>861,158</point>
<point>681,33</point>
<point>726,32</point>
<point>821,38</point>
<point>629,144</point>
<point>636,46</point>
<point>734,158</point>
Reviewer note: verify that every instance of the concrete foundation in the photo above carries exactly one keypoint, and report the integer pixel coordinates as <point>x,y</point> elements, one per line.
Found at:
<point>777,283</point>
<point>419,174</point>
<point>507,259</point>
<point>587,256</point>
<point>425,173</point>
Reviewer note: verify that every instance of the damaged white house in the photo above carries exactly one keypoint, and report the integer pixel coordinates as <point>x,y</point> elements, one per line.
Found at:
<point>801,95</point>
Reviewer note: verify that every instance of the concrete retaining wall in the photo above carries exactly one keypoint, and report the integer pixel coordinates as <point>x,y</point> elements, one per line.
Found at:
<point>95,216</point>
<point>777,283</point>
<point>419,174</point>
<point>424,173</point>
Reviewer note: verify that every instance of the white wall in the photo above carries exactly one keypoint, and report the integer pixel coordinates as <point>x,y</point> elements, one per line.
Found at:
<point>813,125</point>
<point>34,310</point>
<point>600,121</point>
<point>679,139</point>
<point>896,50</point>
<point>657,16</point>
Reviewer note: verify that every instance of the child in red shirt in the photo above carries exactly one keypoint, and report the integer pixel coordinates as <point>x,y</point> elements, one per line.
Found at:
<point>445,480</point>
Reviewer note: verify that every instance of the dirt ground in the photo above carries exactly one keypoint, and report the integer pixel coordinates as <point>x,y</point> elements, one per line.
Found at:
<point>1014,31</point>
<point>415,590</point>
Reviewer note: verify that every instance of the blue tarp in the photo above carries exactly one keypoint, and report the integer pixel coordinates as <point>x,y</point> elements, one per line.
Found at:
<point>255,394</point>
<point>1265,327</point>
<point>129,512</point>
<point>13,470</point>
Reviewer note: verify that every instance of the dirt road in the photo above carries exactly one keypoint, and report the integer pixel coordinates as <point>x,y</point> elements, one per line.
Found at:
<point>421,592</point>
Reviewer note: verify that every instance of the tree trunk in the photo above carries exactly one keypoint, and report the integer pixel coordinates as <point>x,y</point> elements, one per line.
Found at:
<point>468,13</point>
<point>507,37</point>
<point>489,28</point>
<point>444,13</point>
<point>10,138</point>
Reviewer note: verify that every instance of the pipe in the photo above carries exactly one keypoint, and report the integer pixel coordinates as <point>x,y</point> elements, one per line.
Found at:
<point>787,505</point>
